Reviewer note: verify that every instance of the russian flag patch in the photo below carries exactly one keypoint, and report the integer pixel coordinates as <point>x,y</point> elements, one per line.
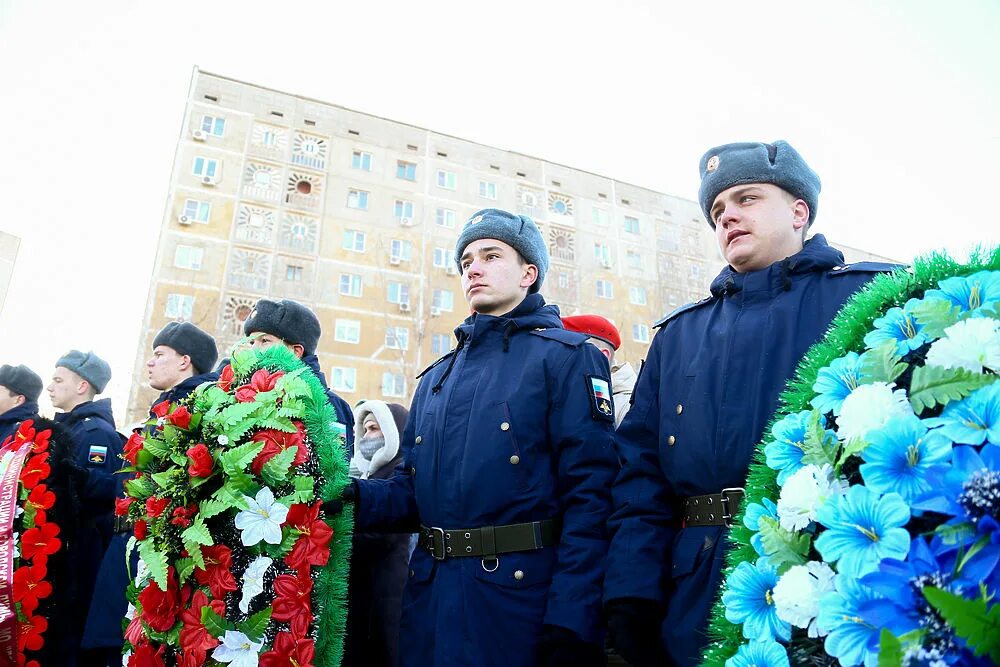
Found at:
<point>98,455</point>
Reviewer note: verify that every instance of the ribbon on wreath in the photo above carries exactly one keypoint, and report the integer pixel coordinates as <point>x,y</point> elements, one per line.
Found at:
<point>10,473</point>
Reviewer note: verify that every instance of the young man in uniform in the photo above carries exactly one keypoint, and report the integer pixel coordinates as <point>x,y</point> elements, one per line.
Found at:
<point>605,336</point>
<point>706,392</point>
<point>508,462</point>
<point>20,388</point>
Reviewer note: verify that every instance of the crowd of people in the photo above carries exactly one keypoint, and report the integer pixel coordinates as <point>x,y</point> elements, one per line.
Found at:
<point>538,495</point>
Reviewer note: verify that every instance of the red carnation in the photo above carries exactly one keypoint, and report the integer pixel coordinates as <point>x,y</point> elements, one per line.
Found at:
<point>180,417</point>
<point>312,546</point>
<point>30,587</point>
<point>35,470</point>
<point>195,639</point>
<point>41,499</point>
<point>182,515</point>
<point>145,656</point>
<point>29,633</point>
<point>122,505</point>
<point>40,542</point>
<point>159,607</point>
<point>161,409</point>
<point>226,378</point>
<point>141,530</point>
<point>155,506</point>
<point>289,652</point>
<point>201,461</point>
<point>292,601</point>
<point>276,442</point>
<point>133,447</point>
<point>259,381</point>
<point>217,573</point>
<point>135,633</point>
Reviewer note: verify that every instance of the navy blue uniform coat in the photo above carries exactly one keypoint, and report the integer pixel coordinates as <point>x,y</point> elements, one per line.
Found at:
<point>10,420</point>
<point>501,431</point>
<point>704,396</point>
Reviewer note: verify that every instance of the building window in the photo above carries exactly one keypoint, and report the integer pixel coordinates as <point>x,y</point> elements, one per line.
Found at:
<point>179,306</point>
<point>188,257</point>
<point>487,190</point>
<point>398,292</point>
<point>354,240</point>
<point>205,168</point>
<point>393,384</point>
<point>343,379</point>
<point>600,216</point>
<point>357,199</point>
<point>269,138</point>
<point>397,338</point>
<point>400,250</point>
<point>440,343</point>
<point>602,253</point>
<point>443,300</point>
<point>406,170</point>
<point>445,217</point>
<point>403,210</point>
<point>347,331</point>
<point>442,258</point>
<point>605,289</point>
<point>640,333</point>
<point>293,273</point>
<point>446,179</point>
<point>631,224</point>
<point>695,272</point>
<point>634,259</point>
<point>199,211</point>
<point>637,295</point>
<point>563,280</point>
<point>361,160</point>
<point>350,284</point>
<point>212,125</point>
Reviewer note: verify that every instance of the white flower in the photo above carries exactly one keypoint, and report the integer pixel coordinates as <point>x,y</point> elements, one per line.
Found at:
<point>797,594</point>
<point>869,407</point>
<point>237,649</point>
<point>804,492</point>
<point>971,344</point>
<point>223,440</point>
<point>253,581</point>
<point>262,519</point>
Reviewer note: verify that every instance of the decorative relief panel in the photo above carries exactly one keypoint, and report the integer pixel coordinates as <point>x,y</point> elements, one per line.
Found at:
<point>304,190</point>
<point>235,312</point>
<point>309,150</point>
<point>529,202</point>
<point>262,181</point>
<point>268,141</point>
<point>255,224</point>
<point>560,204</point>
<point>249,270</point>
<point>298,233</point>
<point>562,245</point>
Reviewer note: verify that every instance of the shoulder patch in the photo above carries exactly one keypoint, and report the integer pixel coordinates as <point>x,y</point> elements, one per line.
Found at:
<point>442,358</point>
<point>571,338</point>
<point>97,455</point>
<point>601,401</point>
<point>865,267</point>
<point>683,309</point>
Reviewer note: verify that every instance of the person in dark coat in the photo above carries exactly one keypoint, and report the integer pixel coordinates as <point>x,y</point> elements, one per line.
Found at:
<point>706,392</point>
<point>508,464</point>
<point>183,359</point>
<point>379,561</point>
<point>295,326</point>
<point>20,388</point>
<point>96,451</point>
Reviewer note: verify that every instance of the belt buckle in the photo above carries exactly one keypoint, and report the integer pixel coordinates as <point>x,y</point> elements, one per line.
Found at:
<point>727,510</point>
<point>435,532</point>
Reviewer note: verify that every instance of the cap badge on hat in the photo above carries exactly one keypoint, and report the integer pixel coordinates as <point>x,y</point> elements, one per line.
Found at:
<point>713,163</point>
<point>476,219</point>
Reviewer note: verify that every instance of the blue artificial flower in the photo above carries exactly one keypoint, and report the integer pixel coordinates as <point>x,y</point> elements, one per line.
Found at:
<point>898,324</point>
<point>751,519</point>
<point>760,654</point>
<point>973,420</point>
<point>862,529</point>
<point>903,456</point>
<point>748,601</point>
<point>970,293</point>
<point>970,488</point>
<point>836,381</point>
<point>784,452</point>
<point>850,638</point>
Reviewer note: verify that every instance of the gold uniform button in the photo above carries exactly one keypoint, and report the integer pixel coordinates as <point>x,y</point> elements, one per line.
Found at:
<point>680,408</point>
<point>514,460</point>
<point>519,575</point>
<point>504,426</point>
<point>418,440</point>
<point>413,470</point>
<point>671,440</point>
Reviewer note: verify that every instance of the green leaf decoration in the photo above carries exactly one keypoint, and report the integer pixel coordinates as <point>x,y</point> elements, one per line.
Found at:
<point>215,624</point>
<point>234,414</point>
<point>933,385</point>
<point>783,547</point>
<point>237,459</point>
<point>198,532</point>
<point>936,315</point>
<point>303,489</point>
<point>881,363</point>
<point>852,447</point>
<point>955,534</point>
<point>156,447</point>
<point>973,620</point>
<point>185,566</point>
<point>163,479</point>
<point>242,484</point>
<point>275,471</point>
<point>28,521</point>
<point>140,488</point>
<point>255,626</point>
<point>289,536</point>
<point>231,496</point>
<point>156,562</point>
<point>890,650</point>
<point>819,446</point>
<point>212,507</point>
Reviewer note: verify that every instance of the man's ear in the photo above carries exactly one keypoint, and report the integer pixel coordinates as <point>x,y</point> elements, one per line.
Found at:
<point>185,362</point>
<point>529,276</point>
<point>297,350</point>
<point>800,214</point>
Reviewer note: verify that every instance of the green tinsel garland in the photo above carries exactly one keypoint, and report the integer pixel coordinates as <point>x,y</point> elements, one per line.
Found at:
<point>846,333</point>
<point>332,580</point>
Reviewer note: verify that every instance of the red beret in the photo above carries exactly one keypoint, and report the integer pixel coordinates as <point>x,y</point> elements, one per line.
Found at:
<point>594,326</point>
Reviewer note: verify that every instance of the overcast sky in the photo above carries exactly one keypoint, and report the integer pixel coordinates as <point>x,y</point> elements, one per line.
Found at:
<point>895,104</point>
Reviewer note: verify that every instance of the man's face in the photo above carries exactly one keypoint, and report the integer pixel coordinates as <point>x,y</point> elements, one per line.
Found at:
<point>372,429</point>
<point>66,388</point>
<point>262,341</point>
<point>494,280</point>
<point>757,225</point>
<point>167,369</point>
<point>9,400</point>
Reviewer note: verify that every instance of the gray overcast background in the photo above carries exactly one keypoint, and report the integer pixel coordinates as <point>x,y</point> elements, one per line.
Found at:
<point>895,104</point>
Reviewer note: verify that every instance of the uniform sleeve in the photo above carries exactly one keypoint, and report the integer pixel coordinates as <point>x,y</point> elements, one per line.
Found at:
<point>583,442</point>
<point>642,523</point>
<point>99,455</point>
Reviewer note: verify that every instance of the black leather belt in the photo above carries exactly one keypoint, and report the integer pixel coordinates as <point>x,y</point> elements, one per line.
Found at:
<point>713,509</point>
<point>488,541</point>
